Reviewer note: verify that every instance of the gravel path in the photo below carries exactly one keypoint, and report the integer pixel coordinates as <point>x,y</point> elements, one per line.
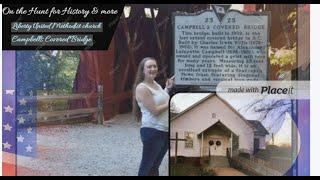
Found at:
<point>88,149</point>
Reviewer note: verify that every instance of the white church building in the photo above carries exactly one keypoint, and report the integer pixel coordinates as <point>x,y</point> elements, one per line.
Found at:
<point>210,127</point>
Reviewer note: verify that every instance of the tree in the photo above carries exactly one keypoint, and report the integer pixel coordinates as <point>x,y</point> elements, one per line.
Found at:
<point>285,57</point>
<point>54,70</point>
<point>270,112</point>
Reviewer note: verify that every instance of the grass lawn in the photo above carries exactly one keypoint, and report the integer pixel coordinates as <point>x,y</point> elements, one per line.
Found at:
<point>188,169</point>
<point>184,169</point>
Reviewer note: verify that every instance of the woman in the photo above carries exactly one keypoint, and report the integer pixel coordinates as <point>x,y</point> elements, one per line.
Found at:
<point>151,107</point>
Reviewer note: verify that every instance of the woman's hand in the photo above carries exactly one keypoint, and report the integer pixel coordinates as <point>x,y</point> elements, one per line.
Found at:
<point>170,83</point>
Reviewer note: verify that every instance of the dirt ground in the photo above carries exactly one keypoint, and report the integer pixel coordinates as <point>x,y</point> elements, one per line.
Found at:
<point>88,149</point>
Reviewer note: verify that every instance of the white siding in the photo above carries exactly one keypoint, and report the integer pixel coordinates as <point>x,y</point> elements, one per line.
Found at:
<point>182,151</point>
<point>262,142</point>
<point>200,118</point>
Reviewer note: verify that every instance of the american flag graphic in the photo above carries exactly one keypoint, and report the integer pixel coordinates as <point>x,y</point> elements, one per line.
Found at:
<point>220,9</point>
<point>19,112</point>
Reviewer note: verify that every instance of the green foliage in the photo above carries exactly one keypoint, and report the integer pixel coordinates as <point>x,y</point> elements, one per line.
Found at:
<point>263,154</point>
<point>282,57</point>
<point>285,57</point>
<point>292,18</point>
<point>274,151</point>
<point>204,172</point>
<point>279,151</point>
<point>46,72</point>
<point>189,167</point>
<point>244,155</point>
<point>185,169</point>
<point>67,63</point>
<point>42,69</point>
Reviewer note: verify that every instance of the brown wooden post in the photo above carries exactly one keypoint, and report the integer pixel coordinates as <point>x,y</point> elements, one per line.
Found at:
<point>130,44</point>
<point>176,150</point>
<point>100,104</point>
<point>156,29</point>
<point>155,26</point>
<point>131,60</point>
<point>176,147</point>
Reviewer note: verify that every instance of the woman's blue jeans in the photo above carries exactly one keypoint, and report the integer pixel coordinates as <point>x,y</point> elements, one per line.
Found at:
<point>155,146</point>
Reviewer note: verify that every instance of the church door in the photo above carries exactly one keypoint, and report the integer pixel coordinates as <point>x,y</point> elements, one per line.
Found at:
<point>256,145</point>
<point>216,147</point>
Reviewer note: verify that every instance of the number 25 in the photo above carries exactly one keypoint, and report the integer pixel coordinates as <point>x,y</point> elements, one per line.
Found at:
<point>231,20</point>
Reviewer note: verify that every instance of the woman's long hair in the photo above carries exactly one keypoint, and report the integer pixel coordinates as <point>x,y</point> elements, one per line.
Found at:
<point>139,78</point>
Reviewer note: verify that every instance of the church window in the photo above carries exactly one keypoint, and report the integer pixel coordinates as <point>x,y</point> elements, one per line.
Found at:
<point>189,136</point>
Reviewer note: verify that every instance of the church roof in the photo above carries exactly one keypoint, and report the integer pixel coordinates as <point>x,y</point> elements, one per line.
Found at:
<point>175,116</point>
<point>259,129</point>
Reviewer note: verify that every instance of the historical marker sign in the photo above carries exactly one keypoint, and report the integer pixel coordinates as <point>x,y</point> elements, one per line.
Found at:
<point>208,49</point>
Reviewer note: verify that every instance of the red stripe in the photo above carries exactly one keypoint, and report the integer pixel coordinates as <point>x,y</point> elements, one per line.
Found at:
<point>8,169</point>
<point>8,164</point>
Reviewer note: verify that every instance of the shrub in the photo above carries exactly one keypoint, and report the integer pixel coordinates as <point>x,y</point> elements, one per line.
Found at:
<point>244,155</point>
<point>204,172</point>
<point>263,154</point>
<point>197,162</point>
<point>180,159</point>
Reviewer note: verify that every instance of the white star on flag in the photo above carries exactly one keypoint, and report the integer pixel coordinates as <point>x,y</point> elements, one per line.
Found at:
<point>20,138</point>
<point>21,120</point>
<point>30,112</point>
<point>8,109</point>
<point>10,92</point>
<point>220,10</point>
<point>22,102</point>
<point>6,145</point>
<point>31,93</point>
<point>29,130</point>
<point>7,127</point>
<point>29,148</point>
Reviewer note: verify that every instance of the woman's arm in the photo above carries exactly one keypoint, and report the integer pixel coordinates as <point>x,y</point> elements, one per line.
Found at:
<point>144,95</point>
<point>167,90</point>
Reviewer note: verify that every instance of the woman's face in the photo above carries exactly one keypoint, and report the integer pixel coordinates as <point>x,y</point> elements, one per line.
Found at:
<point>150,69</point>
